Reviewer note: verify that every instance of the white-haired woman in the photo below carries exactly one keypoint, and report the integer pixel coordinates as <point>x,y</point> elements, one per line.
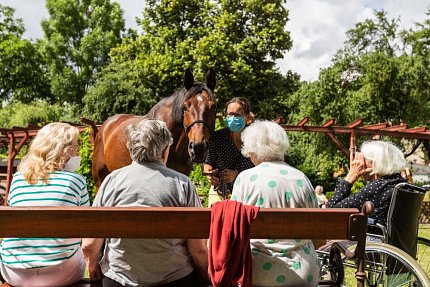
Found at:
<point>321,198</point>
<point>46,177</point>
<point>147,182</point>
<point>380,164</point>
<point>274,184</point>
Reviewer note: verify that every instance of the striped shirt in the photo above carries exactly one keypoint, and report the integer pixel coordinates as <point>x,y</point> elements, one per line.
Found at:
<point>64,188</point>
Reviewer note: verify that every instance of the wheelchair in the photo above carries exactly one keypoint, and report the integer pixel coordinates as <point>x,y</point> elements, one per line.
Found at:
<point>395,256</point>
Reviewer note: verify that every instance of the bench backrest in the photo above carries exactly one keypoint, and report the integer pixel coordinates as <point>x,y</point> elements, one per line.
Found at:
<point>182,222</point>
<point>176,222</point>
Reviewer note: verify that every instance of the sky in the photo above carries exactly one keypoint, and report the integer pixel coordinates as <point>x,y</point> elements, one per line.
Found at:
<point>317,27</point>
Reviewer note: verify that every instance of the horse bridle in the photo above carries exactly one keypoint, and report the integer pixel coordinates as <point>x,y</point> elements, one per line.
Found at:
<point>198,121</point>
<point>187,128</point>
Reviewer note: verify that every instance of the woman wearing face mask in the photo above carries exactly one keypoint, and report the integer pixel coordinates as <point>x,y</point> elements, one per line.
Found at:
<point>225,160</point>
<point>46,177</point>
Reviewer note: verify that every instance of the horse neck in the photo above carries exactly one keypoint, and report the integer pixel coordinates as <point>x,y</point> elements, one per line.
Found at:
<point>180,139</point>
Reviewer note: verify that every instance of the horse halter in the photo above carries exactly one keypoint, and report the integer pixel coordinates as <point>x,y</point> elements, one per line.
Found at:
<point>197,121</point>
<point>187,128</point>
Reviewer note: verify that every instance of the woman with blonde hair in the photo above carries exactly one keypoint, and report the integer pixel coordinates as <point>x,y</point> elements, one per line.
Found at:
<point>46,177</point>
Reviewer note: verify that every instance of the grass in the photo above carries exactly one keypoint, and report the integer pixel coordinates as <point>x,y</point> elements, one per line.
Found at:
<point>424,231</point>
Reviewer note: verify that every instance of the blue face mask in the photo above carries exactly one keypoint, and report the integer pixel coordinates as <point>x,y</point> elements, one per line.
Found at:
<point>235,124</point>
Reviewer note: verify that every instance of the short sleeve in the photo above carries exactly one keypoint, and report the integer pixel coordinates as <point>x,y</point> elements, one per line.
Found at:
<point>102,193</point>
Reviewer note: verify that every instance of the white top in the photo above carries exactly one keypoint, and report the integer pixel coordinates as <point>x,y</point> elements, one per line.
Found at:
<point>279,262</point>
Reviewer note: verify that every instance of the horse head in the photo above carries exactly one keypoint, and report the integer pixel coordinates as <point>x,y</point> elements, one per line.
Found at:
<point>198,114</point>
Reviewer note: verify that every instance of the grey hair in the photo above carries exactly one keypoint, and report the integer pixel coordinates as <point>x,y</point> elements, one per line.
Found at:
<point>266,140</point>
<point>385,156</point>
<point>147,139</point>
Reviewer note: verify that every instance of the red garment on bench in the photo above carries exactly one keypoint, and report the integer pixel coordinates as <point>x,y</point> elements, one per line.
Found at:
<point>230,258</point>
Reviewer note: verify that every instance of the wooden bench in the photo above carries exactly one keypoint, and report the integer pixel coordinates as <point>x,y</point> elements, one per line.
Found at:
<point>138,222</point>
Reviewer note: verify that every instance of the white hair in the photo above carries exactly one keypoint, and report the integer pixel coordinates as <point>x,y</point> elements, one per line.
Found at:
<point>147,139</point>
<point>266,140</point>
<point>385,156</point>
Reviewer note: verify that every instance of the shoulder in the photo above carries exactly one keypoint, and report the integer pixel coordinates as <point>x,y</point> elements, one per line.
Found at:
<point>221,133</point>
<point>175,174</point>
<point>69,175</point>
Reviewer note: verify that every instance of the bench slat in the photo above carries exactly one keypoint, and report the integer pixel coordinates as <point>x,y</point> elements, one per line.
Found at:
<point>177,222</point>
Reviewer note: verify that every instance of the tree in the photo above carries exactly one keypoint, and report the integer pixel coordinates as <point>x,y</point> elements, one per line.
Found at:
<point>374,77</point>
<point>240,39</point>
<point>78,37</point>
<point>22,75</point>
<point>36,113</point>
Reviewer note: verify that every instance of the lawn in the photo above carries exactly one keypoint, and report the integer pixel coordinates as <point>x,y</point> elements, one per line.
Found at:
<point>424,231</point>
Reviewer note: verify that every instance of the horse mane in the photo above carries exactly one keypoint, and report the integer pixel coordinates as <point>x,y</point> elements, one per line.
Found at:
<point>183,95</point>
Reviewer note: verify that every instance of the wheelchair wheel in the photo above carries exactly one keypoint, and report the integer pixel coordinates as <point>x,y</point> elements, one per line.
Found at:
<point>388,266</point>
<point>423,254</point>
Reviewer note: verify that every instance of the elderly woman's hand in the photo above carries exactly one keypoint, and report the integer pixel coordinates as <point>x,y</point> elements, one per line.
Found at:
<point>357,168</point>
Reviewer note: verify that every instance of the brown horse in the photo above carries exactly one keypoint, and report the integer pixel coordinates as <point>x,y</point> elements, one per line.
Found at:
<point>190,116</point>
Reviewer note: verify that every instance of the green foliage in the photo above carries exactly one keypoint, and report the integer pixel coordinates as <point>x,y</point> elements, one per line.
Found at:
<point>86,153</point>
<point>37,113</point>
<point>200,182</point>
<point>22,74</point>
<point>8,24</point>
<point>372,78</point>
<point>359,184</point>
<point>240,39</point>
<point>119,89</point>
<point>78,37</point>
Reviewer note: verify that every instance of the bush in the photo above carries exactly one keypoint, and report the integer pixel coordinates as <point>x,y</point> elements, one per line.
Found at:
<point>86,154</point>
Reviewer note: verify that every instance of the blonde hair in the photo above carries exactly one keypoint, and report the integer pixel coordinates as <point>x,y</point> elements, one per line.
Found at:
<point>46,151</point>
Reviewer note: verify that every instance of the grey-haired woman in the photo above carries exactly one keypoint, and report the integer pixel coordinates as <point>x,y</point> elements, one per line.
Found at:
<point>147,182</point>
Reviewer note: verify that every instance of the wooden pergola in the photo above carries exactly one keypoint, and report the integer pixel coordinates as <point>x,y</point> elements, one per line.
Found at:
<point>354,129</point>
<point>17,137</point>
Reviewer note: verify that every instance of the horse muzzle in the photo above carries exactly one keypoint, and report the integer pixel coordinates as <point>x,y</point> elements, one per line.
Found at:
<point>198,151</point>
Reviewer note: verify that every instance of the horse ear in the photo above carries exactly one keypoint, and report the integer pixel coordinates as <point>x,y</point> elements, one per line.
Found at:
<point>211,79</point>
<point>188,79</point>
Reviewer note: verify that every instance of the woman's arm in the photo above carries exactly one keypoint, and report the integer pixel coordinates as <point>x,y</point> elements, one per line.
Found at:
<point>91,248</point>
<point>199,251</point>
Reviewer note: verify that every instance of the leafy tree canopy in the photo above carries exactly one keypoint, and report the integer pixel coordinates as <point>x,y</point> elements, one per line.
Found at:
<point>78,37</point>
<point>22,74</point>
<point>38,113</point>
<point>380,75</point>
<point>241,39</point>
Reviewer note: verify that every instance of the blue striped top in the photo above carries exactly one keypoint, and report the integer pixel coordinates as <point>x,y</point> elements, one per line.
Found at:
<point>64,188</point>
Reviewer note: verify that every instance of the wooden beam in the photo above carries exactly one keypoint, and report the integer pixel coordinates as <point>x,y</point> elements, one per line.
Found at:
<point>396,128</point>
<point>304,121</point>
<point>355,123</point>
<point>375,126</point>
<point>329,123</point>
<point>168,222</point>
<point>338,143</point>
